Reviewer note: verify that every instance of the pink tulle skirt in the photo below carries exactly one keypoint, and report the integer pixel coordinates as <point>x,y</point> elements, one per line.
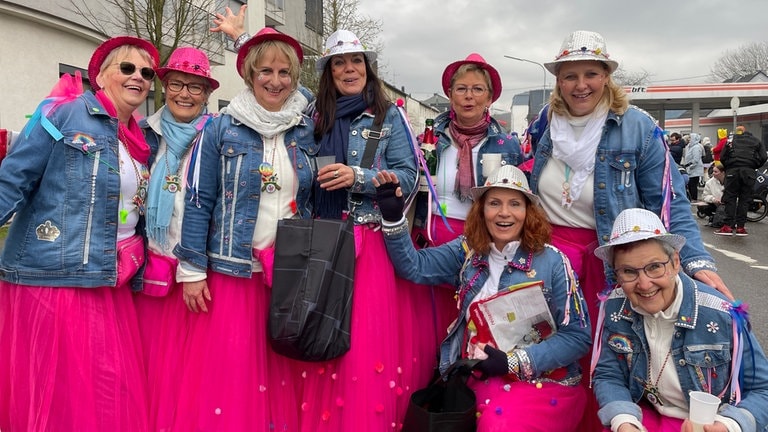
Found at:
<point>579,244</point>
<point>367,388</point>
<point>653,421</point>
<point>164,324</point>
<point>70,360</point>
<point>430,309</point>
<point>505,406</point>
<point>229,379</point>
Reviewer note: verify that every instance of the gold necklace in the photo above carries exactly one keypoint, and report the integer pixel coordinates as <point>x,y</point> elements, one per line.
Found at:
<point>652,389</point>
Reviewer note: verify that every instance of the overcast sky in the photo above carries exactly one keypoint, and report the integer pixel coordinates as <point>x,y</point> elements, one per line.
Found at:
<point>675,41</point>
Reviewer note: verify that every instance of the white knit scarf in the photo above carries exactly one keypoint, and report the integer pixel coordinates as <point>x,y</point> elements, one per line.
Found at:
<point>578,153</point>
<point>247,110</point>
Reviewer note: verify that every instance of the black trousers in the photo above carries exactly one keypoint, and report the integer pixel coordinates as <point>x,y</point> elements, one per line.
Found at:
<point>739,184</point>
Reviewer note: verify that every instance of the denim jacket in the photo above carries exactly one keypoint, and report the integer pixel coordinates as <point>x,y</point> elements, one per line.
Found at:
<point>702,347</point>
<point>629,166</point>
<point>394,153</point>
<point>65,194</point>
<point>220,217</point>
<point>496,141</point>
<point>446,264</point>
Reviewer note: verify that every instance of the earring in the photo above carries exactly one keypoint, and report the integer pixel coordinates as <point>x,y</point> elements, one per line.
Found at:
<point>487,114</point>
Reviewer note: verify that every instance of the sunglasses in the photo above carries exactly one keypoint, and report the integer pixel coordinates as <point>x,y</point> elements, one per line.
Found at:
<point>128,68</point>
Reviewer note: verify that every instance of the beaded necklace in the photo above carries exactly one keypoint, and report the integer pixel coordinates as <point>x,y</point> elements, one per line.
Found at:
<point>652,388</point>
<point>142,179</point>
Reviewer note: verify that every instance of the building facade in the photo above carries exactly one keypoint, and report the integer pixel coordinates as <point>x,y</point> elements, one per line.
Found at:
<point>40,40</point>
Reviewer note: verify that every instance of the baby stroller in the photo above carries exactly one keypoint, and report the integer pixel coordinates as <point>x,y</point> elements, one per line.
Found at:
<point>758,208</point>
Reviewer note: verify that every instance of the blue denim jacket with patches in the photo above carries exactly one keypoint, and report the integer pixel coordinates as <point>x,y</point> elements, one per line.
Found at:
<point>496,141</point>
<point>394,153</point>
<point>66,196</point>
<point>629,168</point>
<point>702,349</point>
<point>220,217</point>
<point>449,263</point>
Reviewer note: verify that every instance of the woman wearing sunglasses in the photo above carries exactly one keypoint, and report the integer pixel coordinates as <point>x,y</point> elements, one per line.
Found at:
<point>175,132</point>
<point>70,357</point>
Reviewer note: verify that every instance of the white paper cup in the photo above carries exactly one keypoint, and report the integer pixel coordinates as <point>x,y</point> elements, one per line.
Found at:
<point>491,162</point>
<point>322,161</point>
<point>703,407</point>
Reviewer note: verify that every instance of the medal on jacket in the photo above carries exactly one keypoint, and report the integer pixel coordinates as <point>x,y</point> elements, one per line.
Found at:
<point>172,183</point>
<point>268,178</point>
<point>651,389</point>
<point>267,170</point>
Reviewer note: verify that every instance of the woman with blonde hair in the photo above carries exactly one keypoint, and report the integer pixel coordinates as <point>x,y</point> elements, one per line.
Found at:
<point>598,156</point>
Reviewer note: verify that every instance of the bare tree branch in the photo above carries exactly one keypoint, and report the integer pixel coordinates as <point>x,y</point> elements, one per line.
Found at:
<point>167,24</point>
<point>742,62</point>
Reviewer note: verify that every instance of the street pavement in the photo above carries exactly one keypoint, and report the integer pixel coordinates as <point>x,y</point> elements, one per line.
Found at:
<point>743,265</point>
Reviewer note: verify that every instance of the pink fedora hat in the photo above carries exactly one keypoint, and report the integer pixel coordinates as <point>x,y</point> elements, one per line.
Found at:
<point>266,34</point>
<point>106,47</point>
<point>191,61</point>
<point>478,60</point>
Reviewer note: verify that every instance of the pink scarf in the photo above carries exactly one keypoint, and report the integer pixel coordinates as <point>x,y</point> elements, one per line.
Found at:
<point>131,135</point>
<point>466,138</point>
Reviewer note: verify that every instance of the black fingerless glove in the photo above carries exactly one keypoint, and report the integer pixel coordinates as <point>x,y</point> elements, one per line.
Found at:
<point>496,363</point>
<point>390,205</point>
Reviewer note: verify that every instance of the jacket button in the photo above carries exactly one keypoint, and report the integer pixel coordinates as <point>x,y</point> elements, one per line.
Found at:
<point>601,212</point>
<point>230,151</point>
<point>681,362</point>
<point>606,238</point>
<point>354,153</point>
<point>300,165</point>
<point>293,143</point>
<point>602,158</point>
<point>601,185</point>
<point>354,132</point>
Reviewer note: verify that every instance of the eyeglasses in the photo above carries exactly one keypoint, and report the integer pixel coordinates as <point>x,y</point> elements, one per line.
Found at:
<point>193,88</point>
<point>128,68</point>
<point>476,91</point>
<point>653,270</point>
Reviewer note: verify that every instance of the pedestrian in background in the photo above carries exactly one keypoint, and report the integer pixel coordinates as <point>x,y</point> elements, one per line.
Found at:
<point>694,165</point>
<point>741,157</point>
<point>712,194</point>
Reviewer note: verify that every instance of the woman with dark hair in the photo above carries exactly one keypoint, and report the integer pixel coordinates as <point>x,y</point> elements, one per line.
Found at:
<point>532,384</point>
<point>359,133</point>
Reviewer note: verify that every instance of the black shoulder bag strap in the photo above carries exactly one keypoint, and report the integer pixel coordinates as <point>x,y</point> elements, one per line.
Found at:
<point>371,144</point>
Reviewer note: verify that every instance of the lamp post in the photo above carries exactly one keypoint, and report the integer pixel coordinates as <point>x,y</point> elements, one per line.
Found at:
<point>543,91</point>
<point>536,63</point>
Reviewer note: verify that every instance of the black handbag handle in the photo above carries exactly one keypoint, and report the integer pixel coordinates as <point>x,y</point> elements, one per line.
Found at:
<point>462,367</point>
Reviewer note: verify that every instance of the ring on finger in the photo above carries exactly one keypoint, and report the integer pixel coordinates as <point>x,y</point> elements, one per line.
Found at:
<point>336,174</point>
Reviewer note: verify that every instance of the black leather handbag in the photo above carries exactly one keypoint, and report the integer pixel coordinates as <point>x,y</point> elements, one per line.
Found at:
<point>311,301</point>
<point>446,405</point>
